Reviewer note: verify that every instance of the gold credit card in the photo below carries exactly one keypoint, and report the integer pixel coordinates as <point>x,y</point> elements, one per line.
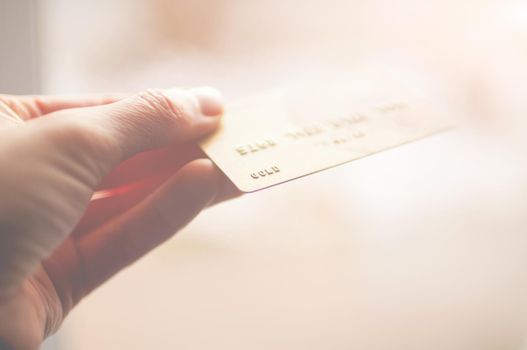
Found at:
<point>284,134</point>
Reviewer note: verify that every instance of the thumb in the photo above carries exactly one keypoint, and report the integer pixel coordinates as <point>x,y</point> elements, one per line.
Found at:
<point>109,134</point>
<point>155,118</point>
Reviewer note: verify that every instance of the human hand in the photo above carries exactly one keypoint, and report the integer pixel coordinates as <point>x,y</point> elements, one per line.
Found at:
<point>56,244</point>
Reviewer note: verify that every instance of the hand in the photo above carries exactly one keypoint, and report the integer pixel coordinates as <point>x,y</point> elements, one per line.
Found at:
<point>59,241</point>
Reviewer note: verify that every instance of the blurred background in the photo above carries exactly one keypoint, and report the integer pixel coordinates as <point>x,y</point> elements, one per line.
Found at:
<point>420,247</point>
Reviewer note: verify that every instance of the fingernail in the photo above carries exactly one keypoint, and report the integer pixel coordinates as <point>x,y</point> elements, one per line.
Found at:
<point>210,100</point>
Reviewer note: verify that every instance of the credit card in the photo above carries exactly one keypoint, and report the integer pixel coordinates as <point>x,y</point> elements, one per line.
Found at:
<point>288,133</point>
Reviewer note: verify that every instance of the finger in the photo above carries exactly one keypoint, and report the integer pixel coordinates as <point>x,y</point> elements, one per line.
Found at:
<point>99,138</point>
<point>83,262</point>
<point>8,117</point>
<point>125,239</point>
<point>227,191</point>
<point>106,205</point>
<point>29,107</point>
<point>150,164</point>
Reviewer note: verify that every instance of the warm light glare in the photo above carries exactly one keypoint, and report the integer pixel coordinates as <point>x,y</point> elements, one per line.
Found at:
<point>423,247</point>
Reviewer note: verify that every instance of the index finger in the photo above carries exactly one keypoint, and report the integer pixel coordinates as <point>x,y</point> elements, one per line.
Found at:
<point>34,106</point>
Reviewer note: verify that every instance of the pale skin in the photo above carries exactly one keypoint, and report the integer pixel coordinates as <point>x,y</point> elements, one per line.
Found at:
<point>57,243</point>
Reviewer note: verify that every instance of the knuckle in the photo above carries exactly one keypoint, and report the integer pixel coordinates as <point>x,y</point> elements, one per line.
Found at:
<point>170,112</point>
<point>4,99</point>
<point>22,106</point>
<point>11,104</point>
